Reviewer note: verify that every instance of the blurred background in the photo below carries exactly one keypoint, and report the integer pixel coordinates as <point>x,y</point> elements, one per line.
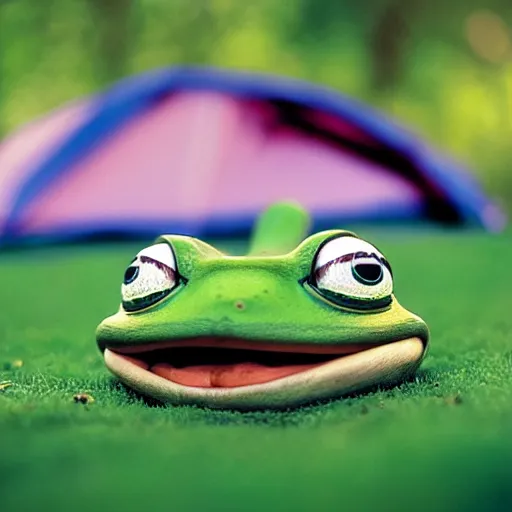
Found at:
<point>444,68</point>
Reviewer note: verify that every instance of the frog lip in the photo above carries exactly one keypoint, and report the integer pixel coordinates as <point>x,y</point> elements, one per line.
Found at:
<point>223,342</point>
<point>243,374</point>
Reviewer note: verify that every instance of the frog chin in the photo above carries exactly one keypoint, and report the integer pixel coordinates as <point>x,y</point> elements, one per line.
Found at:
<point>273,379</point>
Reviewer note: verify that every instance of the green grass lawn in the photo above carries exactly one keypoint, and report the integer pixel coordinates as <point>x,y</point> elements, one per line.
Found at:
<point>440,442</point>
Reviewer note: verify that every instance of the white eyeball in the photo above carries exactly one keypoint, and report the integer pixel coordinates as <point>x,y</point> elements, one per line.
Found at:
<point>353,272</point>
<point>150,277</point>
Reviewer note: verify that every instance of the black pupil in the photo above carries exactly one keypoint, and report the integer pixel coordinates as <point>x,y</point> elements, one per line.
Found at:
<point>131,274</point>
<point>368,273</point>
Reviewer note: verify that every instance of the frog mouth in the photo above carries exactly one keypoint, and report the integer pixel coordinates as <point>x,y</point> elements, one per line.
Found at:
<point>249,374</point>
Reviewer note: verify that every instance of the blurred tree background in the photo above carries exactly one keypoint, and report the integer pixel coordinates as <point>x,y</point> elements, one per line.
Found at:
<point>443,67</point>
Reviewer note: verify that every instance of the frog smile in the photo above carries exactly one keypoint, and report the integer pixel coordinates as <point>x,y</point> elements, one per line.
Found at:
<point>210,371</point>
<point>217,363</point>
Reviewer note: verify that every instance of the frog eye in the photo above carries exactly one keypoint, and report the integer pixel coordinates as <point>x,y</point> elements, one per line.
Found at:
<point>352,272</point>
<point>150,277</point>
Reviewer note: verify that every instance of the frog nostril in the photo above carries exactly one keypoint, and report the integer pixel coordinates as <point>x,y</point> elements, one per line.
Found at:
<point>239,305</point>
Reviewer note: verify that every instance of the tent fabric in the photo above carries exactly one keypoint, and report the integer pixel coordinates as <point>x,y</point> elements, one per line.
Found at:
<point>201,151</point>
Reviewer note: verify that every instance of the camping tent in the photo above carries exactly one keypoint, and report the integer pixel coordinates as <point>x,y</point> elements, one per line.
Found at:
<point>200,151</point>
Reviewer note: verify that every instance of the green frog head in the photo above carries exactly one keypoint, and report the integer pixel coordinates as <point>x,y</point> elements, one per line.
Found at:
<point>291,322</point>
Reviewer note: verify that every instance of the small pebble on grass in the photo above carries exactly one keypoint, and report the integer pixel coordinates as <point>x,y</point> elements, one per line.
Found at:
<point>454,399</point>
<point>83,398</point>
<point>13,365</point>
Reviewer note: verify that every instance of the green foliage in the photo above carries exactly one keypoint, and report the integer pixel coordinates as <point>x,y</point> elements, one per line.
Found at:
<point>439,442</point>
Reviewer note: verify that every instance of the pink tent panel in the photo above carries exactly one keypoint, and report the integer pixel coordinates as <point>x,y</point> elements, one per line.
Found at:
<point>24,149</point>
<point>201,154</point>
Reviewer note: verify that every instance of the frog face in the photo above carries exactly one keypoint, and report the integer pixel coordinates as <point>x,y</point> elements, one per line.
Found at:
<point>200,327</point>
